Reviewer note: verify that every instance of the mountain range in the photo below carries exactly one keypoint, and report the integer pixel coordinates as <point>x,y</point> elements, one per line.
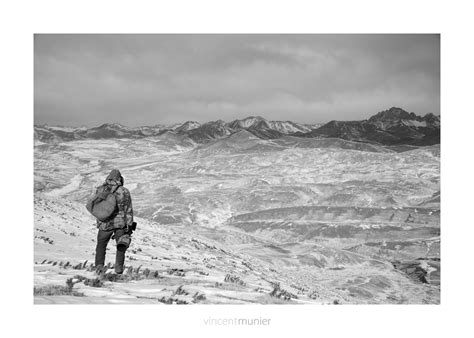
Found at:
<point>394,126</point>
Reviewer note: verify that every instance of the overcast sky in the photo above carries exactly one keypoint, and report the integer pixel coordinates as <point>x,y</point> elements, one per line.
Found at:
<point>153,79</point>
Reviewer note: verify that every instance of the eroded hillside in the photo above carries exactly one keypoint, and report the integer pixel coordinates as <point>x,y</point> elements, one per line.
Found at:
<point>242,219</point>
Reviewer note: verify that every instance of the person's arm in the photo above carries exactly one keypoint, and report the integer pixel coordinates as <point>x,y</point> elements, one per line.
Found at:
<point>129,212</point>
<point>124,202</point>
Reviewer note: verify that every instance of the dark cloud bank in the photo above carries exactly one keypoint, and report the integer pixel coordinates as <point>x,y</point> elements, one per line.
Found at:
<point>152,79</point>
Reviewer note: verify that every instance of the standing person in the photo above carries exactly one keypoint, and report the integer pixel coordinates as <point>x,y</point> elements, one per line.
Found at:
<point>118,226</point>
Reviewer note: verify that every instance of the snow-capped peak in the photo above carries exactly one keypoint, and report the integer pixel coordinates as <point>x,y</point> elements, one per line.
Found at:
<point>188,125</point>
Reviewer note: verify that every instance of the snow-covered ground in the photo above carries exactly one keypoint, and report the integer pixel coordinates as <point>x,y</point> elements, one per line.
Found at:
<point>229,220</point>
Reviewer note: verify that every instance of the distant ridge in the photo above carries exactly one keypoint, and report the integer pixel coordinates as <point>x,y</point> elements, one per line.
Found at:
<point>256,125</point>
<point>188,125</point>
<point>394,126</point>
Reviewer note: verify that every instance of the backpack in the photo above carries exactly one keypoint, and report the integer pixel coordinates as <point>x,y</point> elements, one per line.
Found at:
<point>103,205</point>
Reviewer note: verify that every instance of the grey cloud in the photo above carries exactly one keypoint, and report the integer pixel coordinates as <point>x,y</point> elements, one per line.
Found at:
<point>149,79</point>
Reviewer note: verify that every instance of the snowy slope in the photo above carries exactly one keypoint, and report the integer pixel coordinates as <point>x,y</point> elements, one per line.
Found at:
<point>178,265</point>
<point>64,248</point>
<point>326,220</point>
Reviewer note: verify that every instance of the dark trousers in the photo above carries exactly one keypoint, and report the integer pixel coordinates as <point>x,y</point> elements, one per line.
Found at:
<point>103,238</point>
